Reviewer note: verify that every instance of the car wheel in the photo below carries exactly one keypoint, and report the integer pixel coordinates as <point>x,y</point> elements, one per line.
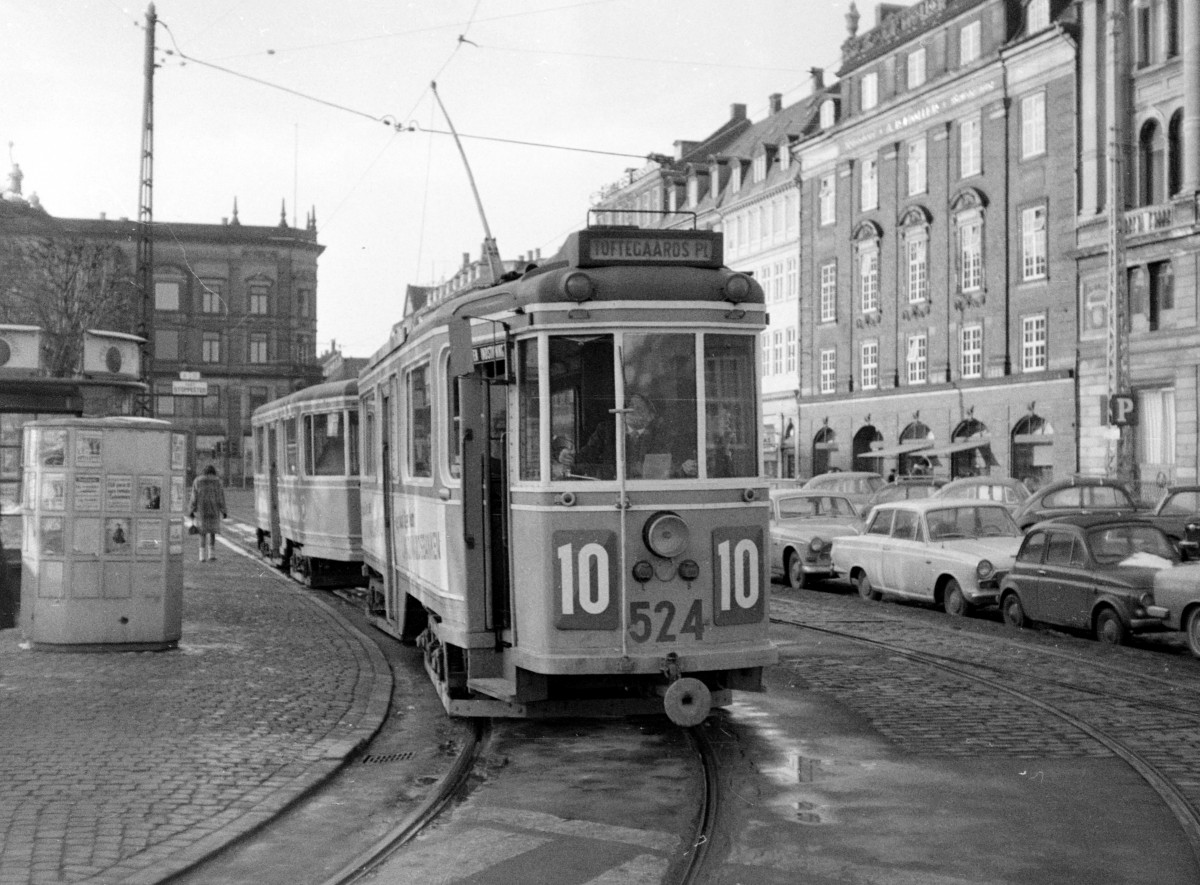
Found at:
<point>1193,631</point>
<point>865,590</point>
<point>1012,611</point>
<point>953,600</point>
<point>1110,629</point>
<point>795,572</point>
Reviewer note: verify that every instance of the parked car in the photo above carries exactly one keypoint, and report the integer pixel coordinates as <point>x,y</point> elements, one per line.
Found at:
<point>803,525</point>
<point>902,489</point>
<point>946,551</point>
<point>1010,492</point>
<point>857,485</point>
<point>1092,572</point>
<point>1076,495</point>
<point>1178,591</point>
<point>1178,514</point>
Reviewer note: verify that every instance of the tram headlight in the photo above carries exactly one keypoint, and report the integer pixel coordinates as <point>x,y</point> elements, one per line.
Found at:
<point>578,286</point>
<point>737,287</point>
<point>689,570</point>
<point>984,570</point>
<point>666,535</point>
<point>642,571</point>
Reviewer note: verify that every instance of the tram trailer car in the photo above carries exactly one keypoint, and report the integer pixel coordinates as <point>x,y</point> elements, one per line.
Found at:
<point>547,564</point>
<point>306,484</point>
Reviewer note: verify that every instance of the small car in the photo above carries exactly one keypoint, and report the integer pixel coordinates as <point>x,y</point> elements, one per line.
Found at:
<point>1091,572</point>
<point>1010,492</point>
<point>804,523</point>
<point>903,488</point>
<point>1178,591</point>
<point>857,485</point>
<point>952,552</point>
<point>1178,514</point>
<point>1078,494</point>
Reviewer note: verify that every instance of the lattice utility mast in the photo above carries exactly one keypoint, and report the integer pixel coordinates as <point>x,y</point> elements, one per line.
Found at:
<point>1120,456</point>
<point>144,403</point>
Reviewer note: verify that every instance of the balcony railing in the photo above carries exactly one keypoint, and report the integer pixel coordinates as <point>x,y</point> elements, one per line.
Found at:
<point>1160,217</point>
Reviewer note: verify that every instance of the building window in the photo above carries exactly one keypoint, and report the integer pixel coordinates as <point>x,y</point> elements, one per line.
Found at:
<point>210,349</point>
<point>166,295</point>
<point>869,185</point>
<point>793,280</point>
<point>869,365</point>
<point>916,166</point>
<point>791,213</point>
<point>868,279</point>
<point>210,405</point>
<point>918,359</point>
<point>777,352</point>
<point>258,347</point>
<point>1033,343</point>
<point>916,68</point>
<point>1156,426</point>
<point>970,364</point>
<point>828,370</point>
<point>764,341</point>
<point>259,299</point>
<point>259,396</point>
<point>1037,16</point>
<point>969,147</point>
<point>211,300</point>
<point>917,247</point>
<point>825,199</point>
<point>1033,125</point>
<point>1162,292</point>
<point>166,344</point>
<point>164,402</point>
<point>968,43</point>
<point>1033,243</point>
<point>970,253</point>
<point>870,90</point>
<point>1151,165</point>
<point>789,352</point>
<point>829,292</point>
<point>828,114</point>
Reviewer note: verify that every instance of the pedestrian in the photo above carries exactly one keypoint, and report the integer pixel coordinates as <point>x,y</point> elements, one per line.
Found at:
<point>208,500</point>
<point>891,477</point>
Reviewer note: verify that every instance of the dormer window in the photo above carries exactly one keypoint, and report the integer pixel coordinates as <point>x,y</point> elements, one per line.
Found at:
<point>828,114</point>
<point>785,155</point>
<point>916,68</point>
<point>968,43</point>
<point>760,167</point>
<point>693,190</point>
<point>735,180</point>
<point>870,90</point>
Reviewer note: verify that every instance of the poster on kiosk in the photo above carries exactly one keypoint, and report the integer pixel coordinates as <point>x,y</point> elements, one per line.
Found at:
<point>102,558</point>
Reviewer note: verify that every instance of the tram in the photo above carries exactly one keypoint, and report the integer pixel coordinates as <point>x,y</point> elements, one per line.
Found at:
<point>306,496</point>
<point>560,492</point>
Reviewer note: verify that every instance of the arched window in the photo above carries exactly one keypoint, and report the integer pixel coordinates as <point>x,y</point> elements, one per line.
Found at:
<point>863,443</point>
<point>914,463</point>
<point>1151,151</point>
<point>1033,451</point>
<point>975,460</point>
<point>824,443</point>
<point>1175,154</point>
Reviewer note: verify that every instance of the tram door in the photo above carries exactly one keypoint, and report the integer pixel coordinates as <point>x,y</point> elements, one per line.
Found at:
<point>273,486</point>
<point>496,404</point>
<point>393,605</point>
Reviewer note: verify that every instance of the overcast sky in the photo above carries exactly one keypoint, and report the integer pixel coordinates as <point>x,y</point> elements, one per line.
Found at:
<point>273,101</point>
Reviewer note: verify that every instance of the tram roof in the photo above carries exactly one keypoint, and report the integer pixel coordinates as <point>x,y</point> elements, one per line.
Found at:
<point>328,390</point>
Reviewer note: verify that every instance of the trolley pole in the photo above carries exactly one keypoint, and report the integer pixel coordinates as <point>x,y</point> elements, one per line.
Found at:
<point>144,401</point>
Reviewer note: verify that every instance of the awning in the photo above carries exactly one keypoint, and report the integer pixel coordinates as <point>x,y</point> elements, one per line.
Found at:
<point>894,451</point>
<point>962,445</point>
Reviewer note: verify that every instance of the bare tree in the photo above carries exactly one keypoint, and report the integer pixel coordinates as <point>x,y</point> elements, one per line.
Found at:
<point>66,285</point>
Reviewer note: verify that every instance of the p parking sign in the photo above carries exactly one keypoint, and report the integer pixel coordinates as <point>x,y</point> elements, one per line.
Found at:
<point>1120,410</point>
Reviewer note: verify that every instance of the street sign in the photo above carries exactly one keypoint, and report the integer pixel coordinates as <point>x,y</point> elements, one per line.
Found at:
<point>1119,410</point>
<point>189,376</point>
<point>189,388</point>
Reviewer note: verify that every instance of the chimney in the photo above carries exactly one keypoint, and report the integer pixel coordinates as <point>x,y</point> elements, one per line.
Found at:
<point>737,112</point>
<point>776,101</point>
<point>466,259</point>
<point>818,78</point>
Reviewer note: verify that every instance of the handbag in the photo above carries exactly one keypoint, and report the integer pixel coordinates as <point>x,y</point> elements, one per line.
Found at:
<point>193,529</point>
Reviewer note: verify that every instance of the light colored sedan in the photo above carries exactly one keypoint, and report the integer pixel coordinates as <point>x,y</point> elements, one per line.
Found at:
<point>803,525</point>
<point>1178,591</point>
<point>952,552</point>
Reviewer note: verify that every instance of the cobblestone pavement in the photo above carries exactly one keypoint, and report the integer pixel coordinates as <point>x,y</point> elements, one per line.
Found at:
<point>121,767</point>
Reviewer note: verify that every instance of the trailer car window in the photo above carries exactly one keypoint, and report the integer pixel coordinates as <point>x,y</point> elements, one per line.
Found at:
<point>730,407</point>
<point>420,413</point>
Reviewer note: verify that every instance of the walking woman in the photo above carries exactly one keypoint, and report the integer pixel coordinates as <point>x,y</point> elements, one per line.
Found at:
<point>208,500</point>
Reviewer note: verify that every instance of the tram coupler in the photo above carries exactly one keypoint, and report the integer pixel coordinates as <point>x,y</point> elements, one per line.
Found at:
<point>686,700</point>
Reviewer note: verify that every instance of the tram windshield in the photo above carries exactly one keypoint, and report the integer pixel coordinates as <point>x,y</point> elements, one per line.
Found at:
<point>685,405</point>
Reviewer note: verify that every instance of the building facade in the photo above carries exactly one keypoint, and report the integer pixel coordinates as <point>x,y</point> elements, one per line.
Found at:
<point>937,224</point>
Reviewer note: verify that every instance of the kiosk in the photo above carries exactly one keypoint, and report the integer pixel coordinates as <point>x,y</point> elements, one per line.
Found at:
<point>102,558</point>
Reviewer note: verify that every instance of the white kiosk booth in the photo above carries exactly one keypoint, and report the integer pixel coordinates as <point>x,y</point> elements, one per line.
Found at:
<point>102,559</point>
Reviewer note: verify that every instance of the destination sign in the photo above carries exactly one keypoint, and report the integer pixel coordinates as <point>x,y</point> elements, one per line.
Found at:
<point>650,249</point>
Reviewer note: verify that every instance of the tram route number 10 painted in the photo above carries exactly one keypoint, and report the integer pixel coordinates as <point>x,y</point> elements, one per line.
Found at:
<point>586,566</point>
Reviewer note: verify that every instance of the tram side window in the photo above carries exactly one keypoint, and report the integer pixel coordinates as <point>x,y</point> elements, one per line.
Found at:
<point>352,427</point>
<point>582,396</point>
<point>325,444</point>
<point>529,412</point>
<point>420,414</point>
<point>368,436</point>
<point>453,425</point>
<point>260,448</point>
<point>292,460</point>
<point>730,413</point>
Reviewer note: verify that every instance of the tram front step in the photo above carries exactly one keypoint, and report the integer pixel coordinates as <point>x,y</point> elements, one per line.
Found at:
<point>494,686</point>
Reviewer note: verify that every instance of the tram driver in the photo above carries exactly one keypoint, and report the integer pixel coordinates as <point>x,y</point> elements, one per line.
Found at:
<point>652,449</point>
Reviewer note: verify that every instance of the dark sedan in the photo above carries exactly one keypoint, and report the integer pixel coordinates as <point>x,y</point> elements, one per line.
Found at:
<point>1178,513</point>
<point>1078,494</point>
<point>1089,572</point>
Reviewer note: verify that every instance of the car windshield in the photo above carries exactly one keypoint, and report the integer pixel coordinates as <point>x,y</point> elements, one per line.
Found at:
<point>809,506</point>
<point>970,522</point>
<point>1132,545</point>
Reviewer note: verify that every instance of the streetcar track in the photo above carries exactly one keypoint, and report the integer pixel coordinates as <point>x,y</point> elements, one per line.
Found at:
<point>697,854</point>
<point>1185,812</point>
<point>421,817</point>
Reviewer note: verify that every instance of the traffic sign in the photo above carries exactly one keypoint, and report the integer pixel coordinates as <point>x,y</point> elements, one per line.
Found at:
<point>189,388</point>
